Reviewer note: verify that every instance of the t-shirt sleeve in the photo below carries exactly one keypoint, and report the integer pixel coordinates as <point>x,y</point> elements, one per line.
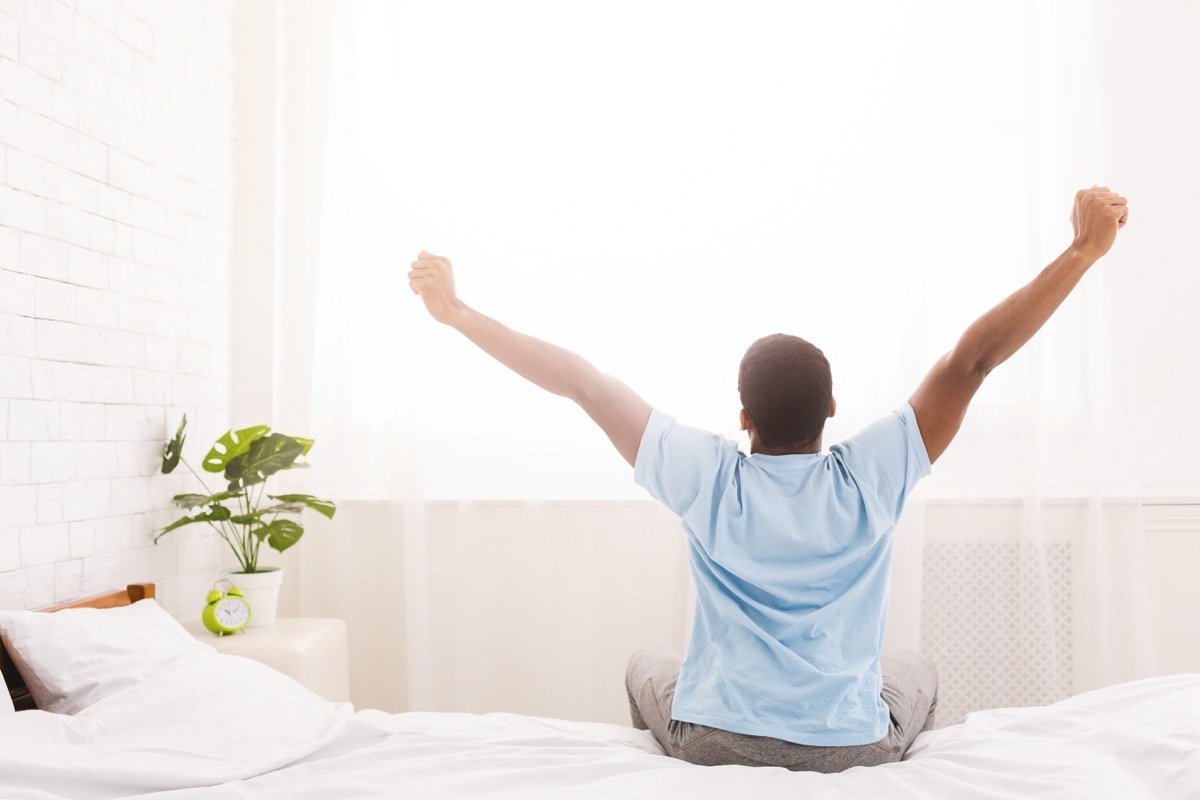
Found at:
<point>887,458</point>
<point>676,463</point>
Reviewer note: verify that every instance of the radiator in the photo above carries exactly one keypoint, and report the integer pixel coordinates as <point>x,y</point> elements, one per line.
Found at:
<point>1013,621</point>
<point>996,621</point>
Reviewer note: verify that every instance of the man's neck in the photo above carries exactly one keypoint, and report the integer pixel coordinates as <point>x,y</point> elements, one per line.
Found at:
<point>806,448</point>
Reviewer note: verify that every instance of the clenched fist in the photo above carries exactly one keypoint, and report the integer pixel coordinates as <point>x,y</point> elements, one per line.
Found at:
<point>432,278</point>
<point>1097,216</point>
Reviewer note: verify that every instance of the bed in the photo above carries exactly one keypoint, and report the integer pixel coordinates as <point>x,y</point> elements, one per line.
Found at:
<point>143,711</point>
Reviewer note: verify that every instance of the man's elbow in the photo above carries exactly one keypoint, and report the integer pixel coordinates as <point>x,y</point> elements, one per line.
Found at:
<point>976,355</point>
<point>969,363</point>
<point>588,390</point>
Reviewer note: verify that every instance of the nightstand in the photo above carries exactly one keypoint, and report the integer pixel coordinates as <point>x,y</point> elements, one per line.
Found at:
<point>310,650</point>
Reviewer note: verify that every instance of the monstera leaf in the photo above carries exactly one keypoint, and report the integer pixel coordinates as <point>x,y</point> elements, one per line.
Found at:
<point>280,534</point>
<point>285,508</point>
<point>255,517</point>
<point>189,500</point>
<point>174,448</point>
<point>262,459</point>
<point>193,500</point>
<point>215,513</point>
<point>231,445</point>
<point>306,444</point>
<point>324,507</point>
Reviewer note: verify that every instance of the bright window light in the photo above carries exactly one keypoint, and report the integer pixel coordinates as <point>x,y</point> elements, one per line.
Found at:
<point>656,185</point>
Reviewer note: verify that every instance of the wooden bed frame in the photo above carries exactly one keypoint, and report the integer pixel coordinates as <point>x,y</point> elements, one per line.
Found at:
<point>124,597</point>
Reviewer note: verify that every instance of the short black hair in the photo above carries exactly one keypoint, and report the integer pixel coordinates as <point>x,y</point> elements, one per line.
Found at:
<point>786,388</point>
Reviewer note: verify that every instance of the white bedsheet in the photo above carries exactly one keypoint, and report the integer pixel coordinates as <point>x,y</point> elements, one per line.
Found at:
<point>191,727</point>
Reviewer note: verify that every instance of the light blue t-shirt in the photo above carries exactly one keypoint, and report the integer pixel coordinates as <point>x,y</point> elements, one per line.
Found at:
<point>791,557</point>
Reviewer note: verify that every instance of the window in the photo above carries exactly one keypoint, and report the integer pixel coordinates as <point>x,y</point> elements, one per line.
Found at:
<point>657,185</point>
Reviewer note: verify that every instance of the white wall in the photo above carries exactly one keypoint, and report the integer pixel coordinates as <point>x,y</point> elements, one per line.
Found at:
<point>537,606</point>
<point>1148,63</point>
<point>116,135</point>
<point>1172,551</point>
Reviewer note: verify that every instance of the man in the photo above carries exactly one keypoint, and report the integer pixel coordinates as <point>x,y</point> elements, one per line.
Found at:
<point>790,547</point>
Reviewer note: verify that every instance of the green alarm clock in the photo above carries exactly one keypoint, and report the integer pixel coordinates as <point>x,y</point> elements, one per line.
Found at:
<point>227,611</point>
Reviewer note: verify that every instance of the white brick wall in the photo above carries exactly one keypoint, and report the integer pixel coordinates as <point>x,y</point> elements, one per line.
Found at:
<point>116,154</point>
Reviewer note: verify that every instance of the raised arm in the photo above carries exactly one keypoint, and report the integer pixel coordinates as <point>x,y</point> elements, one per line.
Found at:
<point>941,400</point>
<point>612,405</point>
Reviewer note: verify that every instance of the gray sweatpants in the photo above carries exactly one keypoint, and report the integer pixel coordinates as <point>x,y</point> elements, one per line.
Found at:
<point>909,689</point>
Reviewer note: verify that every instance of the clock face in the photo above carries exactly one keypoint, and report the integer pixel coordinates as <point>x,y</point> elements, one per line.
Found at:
<point>232,612</point>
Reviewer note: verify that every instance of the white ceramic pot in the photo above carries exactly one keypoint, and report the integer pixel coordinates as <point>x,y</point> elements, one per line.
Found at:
<point>261,590</point>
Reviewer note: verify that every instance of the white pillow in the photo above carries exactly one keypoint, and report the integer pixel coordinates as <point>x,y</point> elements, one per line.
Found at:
<point>73,658</point>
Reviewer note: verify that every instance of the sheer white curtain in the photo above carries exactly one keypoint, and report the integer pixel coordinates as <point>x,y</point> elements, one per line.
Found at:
<point>655,185</point>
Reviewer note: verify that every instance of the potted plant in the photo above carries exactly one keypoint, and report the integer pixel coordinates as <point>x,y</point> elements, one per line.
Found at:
<point>243,513</point>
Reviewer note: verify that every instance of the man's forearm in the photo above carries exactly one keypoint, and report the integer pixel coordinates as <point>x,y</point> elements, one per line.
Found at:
<point>612,405</point>
<point>1002,331</point>
<point>551,367</point>
<point>940,402</point>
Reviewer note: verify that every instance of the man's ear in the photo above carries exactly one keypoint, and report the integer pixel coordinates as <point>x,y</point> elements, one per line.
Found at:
<point>744,420</point>
<point>832,406</point>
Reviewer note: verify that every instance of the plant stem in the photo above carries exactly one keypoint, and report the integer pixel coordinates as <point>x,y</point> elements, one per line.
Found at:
<point>223,535</point>
<point>252,549</point>
<point>221,529</point>
<point>189,466</point>
<point>244,556</point>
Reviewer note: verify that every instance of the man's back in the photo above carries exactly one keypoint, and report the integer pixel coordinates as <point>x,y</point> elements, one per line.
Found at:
<point>791,556</point>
